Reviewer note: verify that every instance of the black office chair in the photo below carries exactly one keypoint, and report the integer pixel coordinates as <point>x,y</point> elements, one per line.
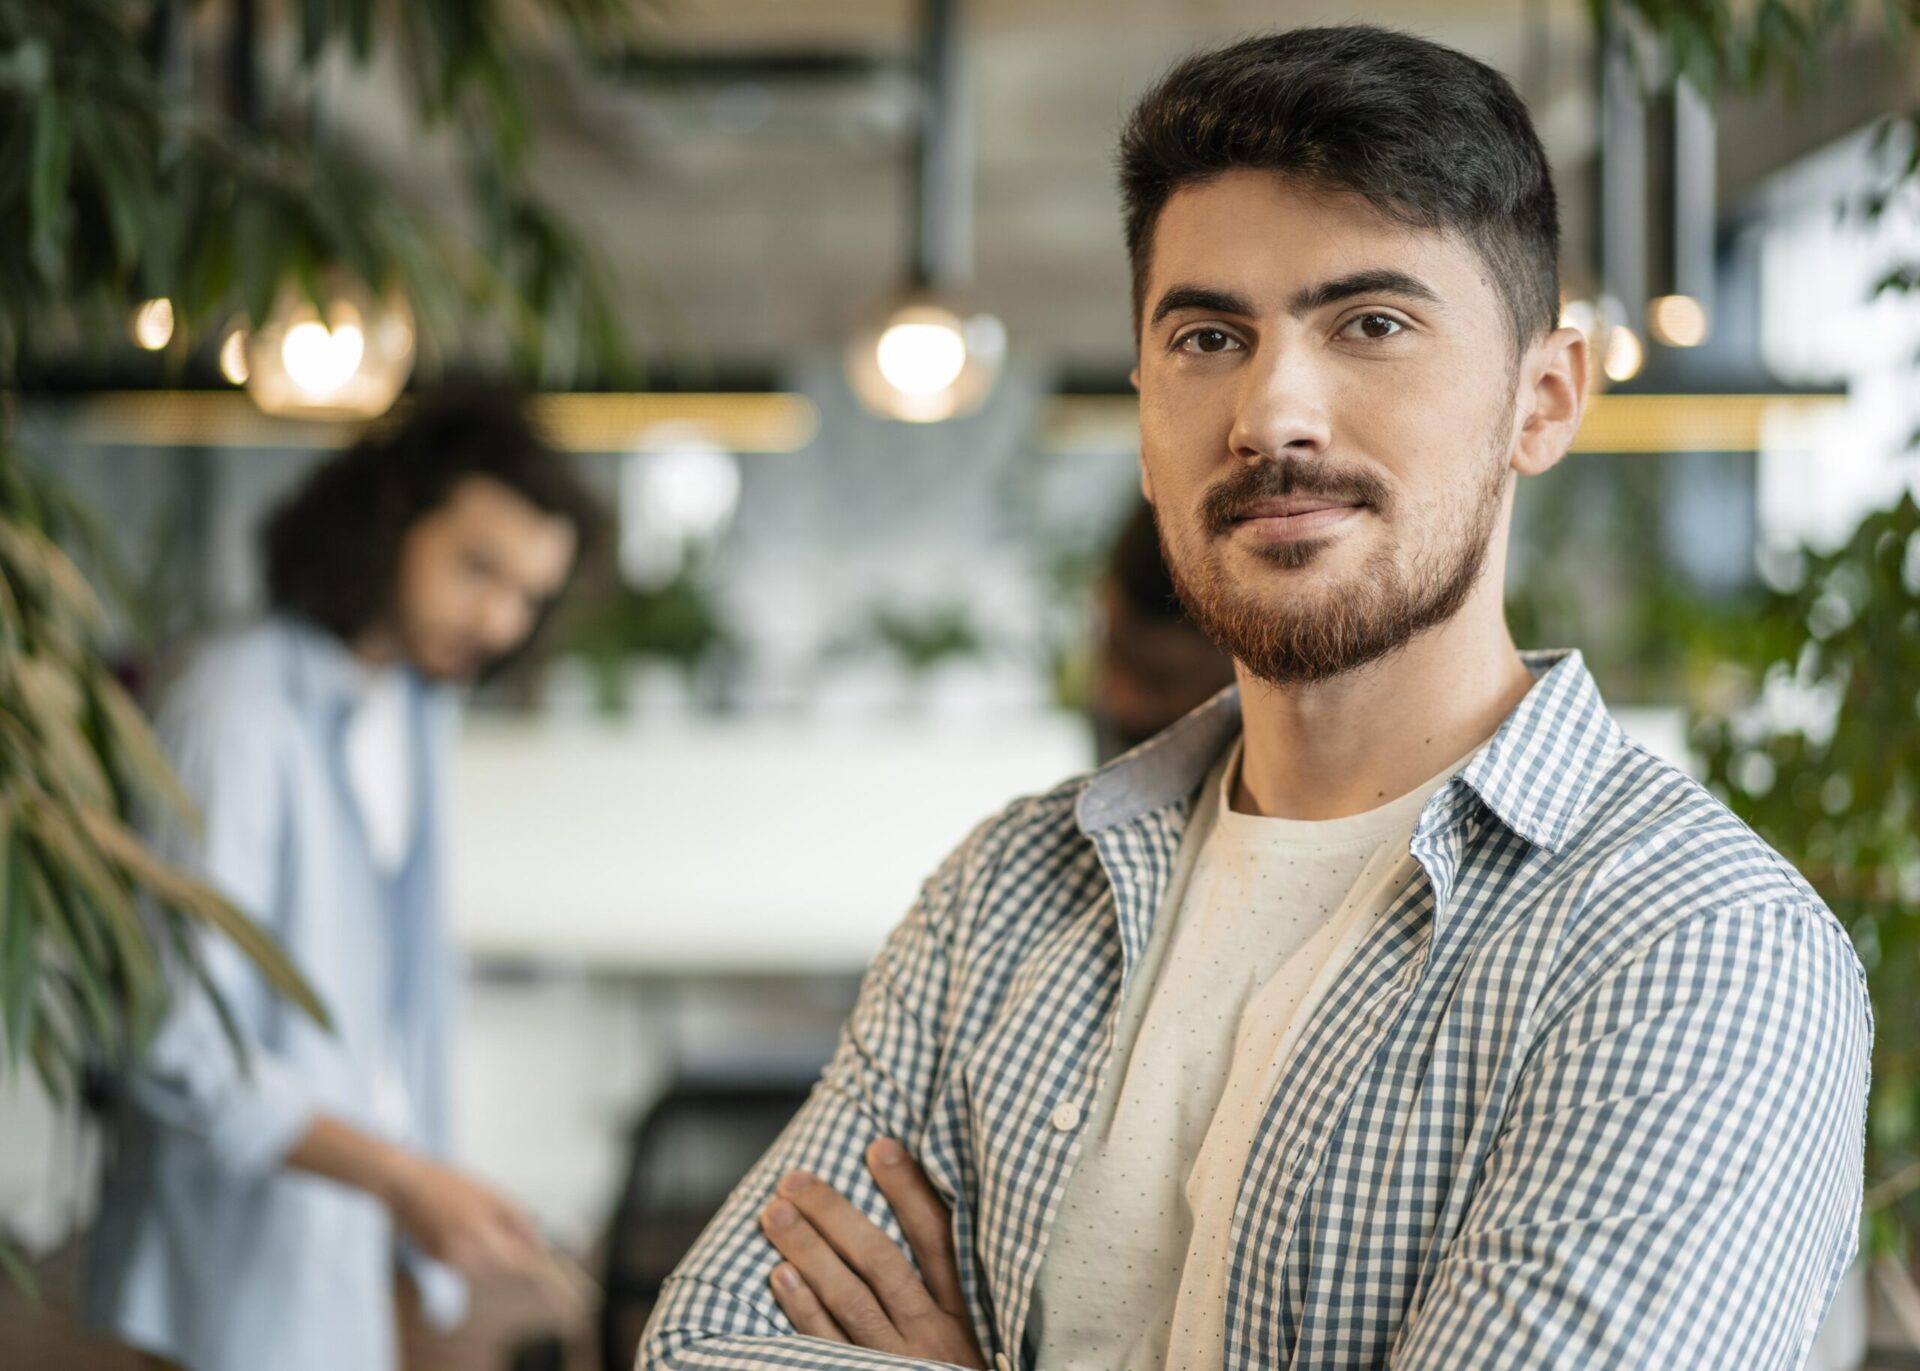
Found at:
<point>686,1155</point>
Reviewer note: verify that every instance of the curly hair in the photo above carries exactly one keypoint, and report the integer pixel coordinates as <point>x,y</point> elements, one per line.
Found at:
<point>332,549</point>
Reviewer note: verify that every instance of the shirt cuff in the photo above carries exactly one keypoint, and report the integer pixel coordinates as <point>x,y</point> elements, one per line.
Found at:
<point>253,1130</point>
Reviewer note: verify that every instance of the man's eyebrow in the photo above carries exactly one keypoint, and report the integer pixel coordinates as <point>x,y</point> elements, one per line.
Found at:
<point>1368,281</point>
<point>1201,297</point>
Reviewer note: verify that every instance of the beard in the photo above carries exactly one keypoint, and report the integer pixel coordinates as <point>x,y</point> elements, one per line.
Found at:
<point>440,662</point>
<point>1285,637</point>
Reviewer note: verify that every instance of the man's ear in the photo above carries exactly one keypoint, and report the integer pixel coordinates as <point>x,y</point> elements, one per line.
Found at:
<point>1146,482</point>
<point>1553,402</point>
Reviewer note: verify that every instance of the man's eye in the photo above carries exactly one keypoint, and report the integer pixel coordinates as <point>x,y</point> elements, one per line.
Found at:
<point>1206,340</point>
<point>1376,326</point>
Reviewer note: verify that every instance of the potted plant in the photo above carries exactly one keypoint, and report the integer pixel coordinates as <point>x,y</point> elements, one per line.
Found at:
<point>1810,731</point>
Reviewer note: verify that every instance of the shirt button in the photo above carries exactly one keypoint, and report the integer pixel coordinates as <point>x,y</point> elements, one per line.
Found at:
<point>1000,1362</point>
<point>1066,1118</point>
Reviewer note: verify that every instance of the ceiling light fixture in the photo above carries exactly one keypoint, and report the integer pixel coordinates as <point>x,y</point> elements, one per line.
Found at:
<point>349,361</point>
<point>152,324</point>
<point>928,355</point>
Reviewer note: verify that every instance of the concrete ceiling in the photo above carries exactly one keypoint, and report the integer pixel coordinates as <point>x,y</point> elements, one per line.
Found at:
<point>771,214</point>
<point>751,214</point>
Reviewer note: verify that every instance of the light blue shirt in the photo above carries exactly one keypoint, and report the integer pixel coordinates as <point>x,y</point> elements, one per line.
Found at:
<point>1591,1092</point>
<point>206,1251</point>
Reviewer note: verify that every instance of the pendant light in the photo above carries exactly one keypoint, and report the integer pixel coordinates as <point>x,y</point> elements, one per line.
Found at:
<point>927,355</point>
<point>347,358</point>
<point>345,355</point>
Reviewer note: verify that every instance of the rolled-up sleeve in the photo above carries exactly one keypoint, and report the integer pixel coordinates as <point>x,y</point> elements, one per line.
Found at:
<point>229,754</point>
<point>717,1311</point>
<point>1678,1179</point>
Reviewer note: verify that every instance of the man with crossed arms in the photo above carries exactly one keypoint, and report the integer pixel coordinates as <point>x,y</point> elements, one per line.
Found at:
<point>1393,1008</point>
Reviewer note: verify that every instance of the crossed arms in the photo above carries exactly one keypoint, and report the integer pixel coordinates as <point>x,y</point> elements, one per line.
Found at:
<point>1675,1180</point>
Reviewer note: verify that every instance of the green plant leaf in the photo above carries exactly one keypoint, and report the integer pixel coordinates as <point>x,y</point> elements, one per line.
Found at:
<point>19,944</point>
<point>51,161</point>
<point>132,743</point>
<point>63,841</point>
<point>176,890</point>
<point>125,195</point>
<point>80,967</point>
<point>36,560</point>
<point>13,1263</point>
<point>52,703</point>
<point>360,27</point>
<point>316,18</point>
<point>186,949</point>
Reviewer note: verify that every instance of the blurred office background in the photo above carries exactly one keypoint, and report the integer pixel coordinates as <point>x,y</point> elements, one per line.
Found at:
<point>850,607</point>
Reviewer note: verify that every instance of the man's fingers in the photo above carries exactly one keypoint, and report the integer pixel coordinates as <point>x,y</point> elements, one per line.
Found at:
<point>864,1246</point>
<point>802,1306</point>
<point>845,1296</point>
<point>924,1218</point>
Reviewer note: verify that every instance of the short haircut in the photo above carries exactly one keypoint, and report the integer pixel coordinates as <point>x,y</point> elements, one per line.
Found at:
<point>1428,136</point>
<point>332,549</point>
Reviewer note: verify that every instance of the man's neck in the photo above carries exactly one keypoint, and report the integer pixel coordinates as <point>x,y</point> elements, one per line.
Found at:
<point>1334,748</point>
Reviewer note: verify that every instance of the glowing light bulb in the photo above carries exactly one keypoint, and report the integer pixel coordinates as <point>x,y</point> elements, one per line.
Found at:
<point>925,360</point>
<point>320,360</point>
<point>921,359</point>
<point>1624,353</point>
<point>1679,321</point>
<point>345,357</point>
<point>233,357</point>
<point>153,324</point>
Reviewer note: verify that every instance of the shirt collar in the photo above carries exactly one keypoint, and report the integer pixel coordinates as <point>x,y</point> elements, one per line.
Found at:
<point>1536,773</point>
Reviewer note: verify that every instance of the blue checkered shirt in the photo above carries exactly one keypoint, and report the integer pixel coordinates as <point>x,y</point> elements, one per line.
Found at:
<point>1591,1093</point>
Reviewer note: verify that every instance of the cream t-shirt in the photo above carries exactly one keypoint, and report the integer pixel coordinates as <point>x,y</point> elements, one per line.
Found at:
<point>1263,912</point>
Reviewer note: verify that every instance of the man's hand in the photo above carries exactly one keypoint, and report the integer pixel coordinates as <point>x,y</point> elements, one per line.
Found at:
<point>843,1278</point>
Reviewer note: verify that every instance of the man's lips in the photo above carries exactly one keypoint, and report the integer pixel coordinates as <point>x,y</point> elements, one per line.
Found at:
<point>1290,506</point>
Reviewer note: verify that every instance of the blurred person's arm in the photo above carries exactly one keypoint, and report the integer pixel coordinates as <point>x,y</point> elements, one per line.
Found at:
<point>1677,1180</point>
<point>245,1103</point>
<point>717,1311</point>
<point>251,1108</point>
<point>452,1218</point>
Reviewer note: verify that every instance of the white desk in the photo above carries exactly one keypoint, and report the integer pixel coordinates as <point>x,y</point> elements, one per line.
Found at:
<point>712,848</point>
<point>739,849</point>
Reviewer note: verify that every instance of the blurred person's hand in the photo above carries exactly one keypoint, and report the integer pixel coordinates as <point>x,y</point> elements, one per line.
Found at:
<point>844,1279</point>
<point>457,1220</point>
<point>450,1216</point>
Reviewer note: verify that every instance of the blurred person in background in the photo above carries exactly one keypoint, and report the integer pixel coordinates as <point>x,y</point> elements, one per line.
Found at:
<point>1394,1007</point>
<point>1151,663</point>
<point>252,1210</point>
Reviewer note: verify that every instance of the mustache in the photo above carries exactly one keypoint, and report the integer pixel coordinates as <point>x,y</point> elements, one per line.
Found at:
<point>1228,500</point>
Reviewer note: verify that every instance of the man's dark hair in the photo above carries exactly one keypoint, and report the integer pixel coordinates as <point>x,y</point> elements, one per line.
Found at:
<point>332,549</point>
<point>1430,137</point>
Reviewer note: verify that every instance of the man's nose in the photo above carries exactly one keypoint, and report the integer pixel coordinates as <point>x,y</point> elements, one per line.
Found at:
<point>1283,405</point>
<point>504,620</point>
